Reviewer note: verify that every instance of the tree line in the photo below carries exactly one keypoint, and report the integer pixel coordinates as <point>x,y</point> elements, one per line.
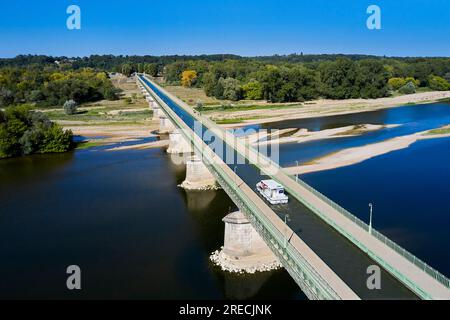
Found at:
<point>24,132</point>
<point>340,78</point>
<point>279,78</point>
<point>53,85</point>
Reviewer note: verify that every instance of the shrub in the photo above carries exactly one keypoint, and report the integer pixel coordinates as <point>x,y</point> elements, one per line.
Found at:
<point>253,90</point>
<point>408,88</point>
<point>396,83</point>
<point>438,83</point>
<point>231,89</point>
<point>70,107</point>
<point>111,93</point>
<point>128,100</point>
<point>199,105</point>
<point>416,82</point>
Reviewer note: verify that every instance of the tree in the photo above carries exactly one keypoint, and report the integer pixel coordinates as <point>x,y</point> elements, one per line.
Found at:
<point>70,107</point>
<point>12,129</point>
<point>209,82</point>
<point>231,89</point>
<point>172,72</point>
<point>396,83</point>
<point>188,78</point>
<point>372,79</point>
<point>414,81</point>
<point>438,83</point>
<point>253,90</point>
<point>337,79</point>
<point>408,88</point>
<point>447,77</point>
<point>127,69</point>
<point>272,82</point>
<point>6,97</point>
<point>24,132</point>
<point>151,69</point>
<point>56,140</point>
<point>36,96</point>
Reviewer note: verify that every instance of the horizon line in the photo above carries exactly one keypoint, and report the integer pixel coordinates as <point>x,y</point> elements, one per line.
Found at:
<point>224,54</point>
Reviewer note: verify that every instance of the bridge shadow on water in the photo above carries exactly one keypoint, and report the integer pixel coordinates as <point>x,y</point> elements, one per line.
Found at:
<point>207,209</point>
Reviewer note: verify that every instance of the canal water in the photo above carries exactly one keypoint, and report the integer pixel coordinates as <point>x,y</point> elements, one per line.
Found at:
<point>121,217</point>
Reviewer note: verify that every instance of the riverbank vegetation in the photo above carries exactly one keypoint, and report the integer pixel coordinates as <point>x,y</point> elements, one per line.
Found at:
<point>338,79</point>
<point>276,79</point>
<point>25,132</point>
<point>440,131</point>
<point>53,86</point>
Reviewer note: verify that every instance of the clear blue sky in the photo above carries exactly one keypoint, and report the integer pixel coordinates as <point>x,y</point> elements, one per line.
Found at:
<point>244,27</point>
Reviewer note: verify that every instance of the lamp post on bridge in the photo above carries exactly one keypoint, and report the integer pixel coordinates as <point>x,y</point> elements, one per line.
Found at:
<point>287,218</point>
<point>370,219</point>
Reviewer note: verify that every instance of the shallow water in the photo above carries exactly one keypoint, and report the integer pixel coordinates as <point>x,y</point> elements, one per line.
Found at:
<point>411,119</point>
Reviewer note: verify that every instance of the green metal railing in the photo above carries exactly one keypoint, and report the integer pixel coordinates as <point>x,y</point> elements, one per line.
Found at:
<point>403,252</point>
<point>378,235</point>
<point>391,244</point>
<point>301,269</point>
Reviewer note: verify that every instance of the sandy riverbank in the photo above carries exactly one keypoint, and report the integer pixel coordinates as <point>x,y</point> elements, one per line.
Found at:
<point>356,155</point>
<point>106,133</point>
<point>304,135</point>
<point>143,146</point>
<point>321,108</point>
<point>120,131</point>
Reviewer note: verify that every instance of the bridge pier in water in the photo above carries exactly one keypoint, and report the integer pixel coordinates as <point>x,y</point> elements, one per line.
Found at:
<point>198,176</point>
<point>178,144</point>
<point>165,125</point>
<point>244,250</point>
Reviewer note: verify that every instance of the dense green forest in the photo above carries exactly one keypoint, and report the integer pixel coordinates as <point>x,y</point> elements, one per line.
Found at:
<point>24,132</point>
<point>53,85</point>
<point>54,80</point>
<point>280,80</point>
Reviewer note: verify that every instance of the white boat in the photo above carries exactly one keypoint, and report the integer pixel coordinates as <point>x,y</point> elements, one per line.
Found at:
<point>272,191</point>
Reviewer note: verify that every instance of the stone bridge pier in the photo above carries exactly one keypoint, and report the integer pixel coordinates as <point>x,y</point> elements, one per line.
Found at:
<point>157,111</point>
<point>165,125</point>
<point>198,176</point>
<point>178,144</point>
<point>244,250</point>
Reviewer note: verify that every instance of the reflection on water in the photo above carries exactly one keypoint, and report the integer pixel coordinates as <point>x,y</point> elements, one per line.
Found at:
<point>199,201</point>
<point>244,287</point>
<point>121,217</point>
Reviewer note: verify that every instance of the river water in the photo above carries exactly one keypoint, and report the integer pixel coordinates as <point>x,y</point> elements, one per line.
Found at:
<point>121,217</point>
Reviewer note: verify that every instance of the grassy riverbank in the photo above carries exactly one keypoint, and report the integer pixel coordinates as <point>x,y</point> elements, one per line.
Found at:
<point>127,118</point>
